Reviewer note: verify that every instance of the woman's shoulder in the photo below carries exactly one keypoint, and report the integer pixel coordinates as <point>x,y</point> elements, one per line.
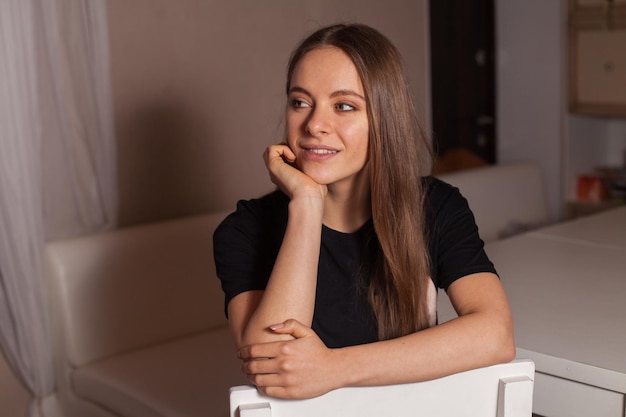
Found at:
<point>440,195</point>
<point>269,203</point>
<point>268,211</point>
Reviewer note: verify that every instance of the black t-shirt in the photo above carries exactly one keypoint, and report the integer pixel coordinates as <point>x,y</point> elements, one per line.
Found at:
<point>247,242</point>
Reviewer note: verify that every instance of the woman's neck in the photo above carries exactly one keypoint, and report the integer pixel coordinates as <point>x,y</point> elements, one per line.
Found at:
<point>347,208</point>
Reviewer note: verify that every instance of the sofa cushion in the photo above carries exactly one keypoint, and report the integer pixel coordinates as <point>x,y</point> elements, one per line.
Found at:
<point>187,377</point>
<point>506,199</point>
<point>132,287</point>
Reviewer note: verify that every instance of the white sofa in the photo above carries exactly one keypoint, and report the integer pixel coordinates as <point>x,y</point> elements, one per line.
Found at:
<point>506,199</point>
<point>139,324</point>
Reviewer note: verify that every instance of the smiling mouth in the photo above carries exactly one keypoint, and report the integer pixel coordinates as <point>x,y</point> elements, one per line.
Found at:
<point>322,151</point>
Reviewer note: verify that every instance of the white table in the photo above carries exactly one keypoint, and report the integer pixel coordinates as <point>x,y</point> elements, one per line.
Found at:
<point>567,289</point>
<point>605,229</point>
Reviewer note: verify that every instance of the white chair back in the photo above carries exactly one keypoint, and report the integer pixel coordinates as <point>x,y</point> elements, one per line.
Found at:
<point>497,391</point>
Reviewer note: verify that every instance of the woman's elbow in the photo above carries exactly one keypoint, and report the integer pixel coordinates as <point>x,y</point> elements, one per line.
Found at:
<point>505,344</point>
<point>507,352</point>
<point>497,339</point>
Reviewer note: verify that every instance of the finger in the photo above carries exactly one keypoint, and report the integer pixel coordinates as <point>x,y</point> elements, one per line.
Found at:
<point>286,149</point>
<point>258,351</point>
<point>260,366</point>
<point>288,154</point>
<point>282,152</point>
<point>294,328</point>
<point>265,381</point>
<point>284,392</point>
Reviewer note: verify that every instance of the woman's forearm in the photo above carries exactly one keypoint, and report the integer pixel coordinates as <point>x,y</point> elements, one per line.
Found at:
<point>472,341</point>
<point>308,368</point>
<point>482,335</point>
<point>290,292</point>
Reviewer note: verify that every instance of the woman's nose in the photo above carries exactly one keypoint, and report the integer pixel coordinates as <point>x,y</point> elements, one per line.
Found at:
<point>318,122</point>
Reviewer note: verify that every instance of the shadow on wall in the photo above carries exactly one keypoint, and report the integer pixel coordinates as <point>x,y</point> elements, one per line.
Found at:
<point>164,159</point>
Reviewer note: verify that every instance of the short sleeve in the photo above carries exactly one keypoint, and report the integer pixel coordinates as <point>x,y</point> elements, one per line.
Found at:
<point>246,244</point>
<point>456,249</point>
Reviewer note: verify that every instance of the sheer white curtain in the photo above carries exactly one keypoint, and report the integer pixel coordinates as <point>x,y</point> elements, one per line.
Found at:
<point>57,161</point>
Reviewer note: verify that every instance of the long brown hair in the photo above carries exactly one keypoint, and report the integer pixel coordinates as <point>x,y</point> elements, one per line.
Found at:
<point>399,155</point>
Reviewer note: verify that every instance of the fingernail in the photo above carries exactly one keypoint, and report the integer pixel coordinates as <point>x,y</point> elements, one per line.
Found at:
<point>277,326</point>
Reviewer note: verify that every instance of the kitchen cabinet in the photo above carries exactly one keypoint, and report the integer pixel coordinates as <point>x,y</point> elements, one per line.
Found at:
<point>597,57</point>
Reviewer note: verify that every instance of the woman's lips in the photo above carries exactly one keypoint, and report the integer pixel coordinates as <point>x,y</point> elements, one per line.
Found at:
<point>319,154</point>
<point>321,151</point>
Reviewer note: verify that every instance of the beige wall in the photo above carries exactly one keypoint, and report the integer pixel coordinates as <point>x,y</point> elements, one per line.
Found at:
<point>198,91</point>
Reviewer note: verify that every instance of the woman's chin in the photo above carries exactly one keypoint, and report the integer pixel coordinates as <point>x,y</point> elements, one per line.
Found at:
<point>317,176</point>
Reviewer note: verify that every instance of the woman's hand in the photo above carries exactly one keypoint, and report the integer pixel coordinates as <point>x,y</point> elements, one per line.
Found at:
<point>298,368</point>
<point>280,161</point>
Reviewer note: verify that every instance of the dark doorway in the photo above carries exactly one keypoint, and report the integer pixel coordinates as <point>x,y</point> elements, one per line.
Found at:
<point>462,44</point>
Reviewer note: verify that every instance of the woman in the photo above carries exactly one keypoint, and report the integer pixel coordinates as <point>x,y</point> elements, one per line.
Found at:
<point>330,280</point>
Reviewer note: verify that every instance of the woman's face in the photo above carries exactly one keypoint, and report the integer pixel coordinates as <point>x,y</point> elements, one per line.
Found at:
<point>327,126</point>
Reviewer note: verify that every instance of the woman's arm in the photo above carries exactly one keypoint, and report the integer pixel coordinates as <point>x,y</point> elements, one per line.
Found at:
<point>482,335</point>
<point>290,292</point>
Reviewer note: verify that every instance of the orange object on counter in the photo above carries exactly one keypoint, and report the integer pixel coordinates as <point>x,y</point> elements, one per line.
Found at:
<point>591,188</point>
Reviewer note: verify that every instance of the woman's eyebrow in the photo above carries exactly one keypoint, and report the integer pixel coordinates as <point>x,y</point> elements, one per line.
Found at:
<point>296,89</point>
<point>338,93</point>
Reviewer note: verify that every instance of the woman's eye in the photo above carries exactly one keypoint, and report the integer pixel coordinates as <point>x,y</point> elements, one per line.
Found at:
<point>298,104</point>
<point>344,107</point>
